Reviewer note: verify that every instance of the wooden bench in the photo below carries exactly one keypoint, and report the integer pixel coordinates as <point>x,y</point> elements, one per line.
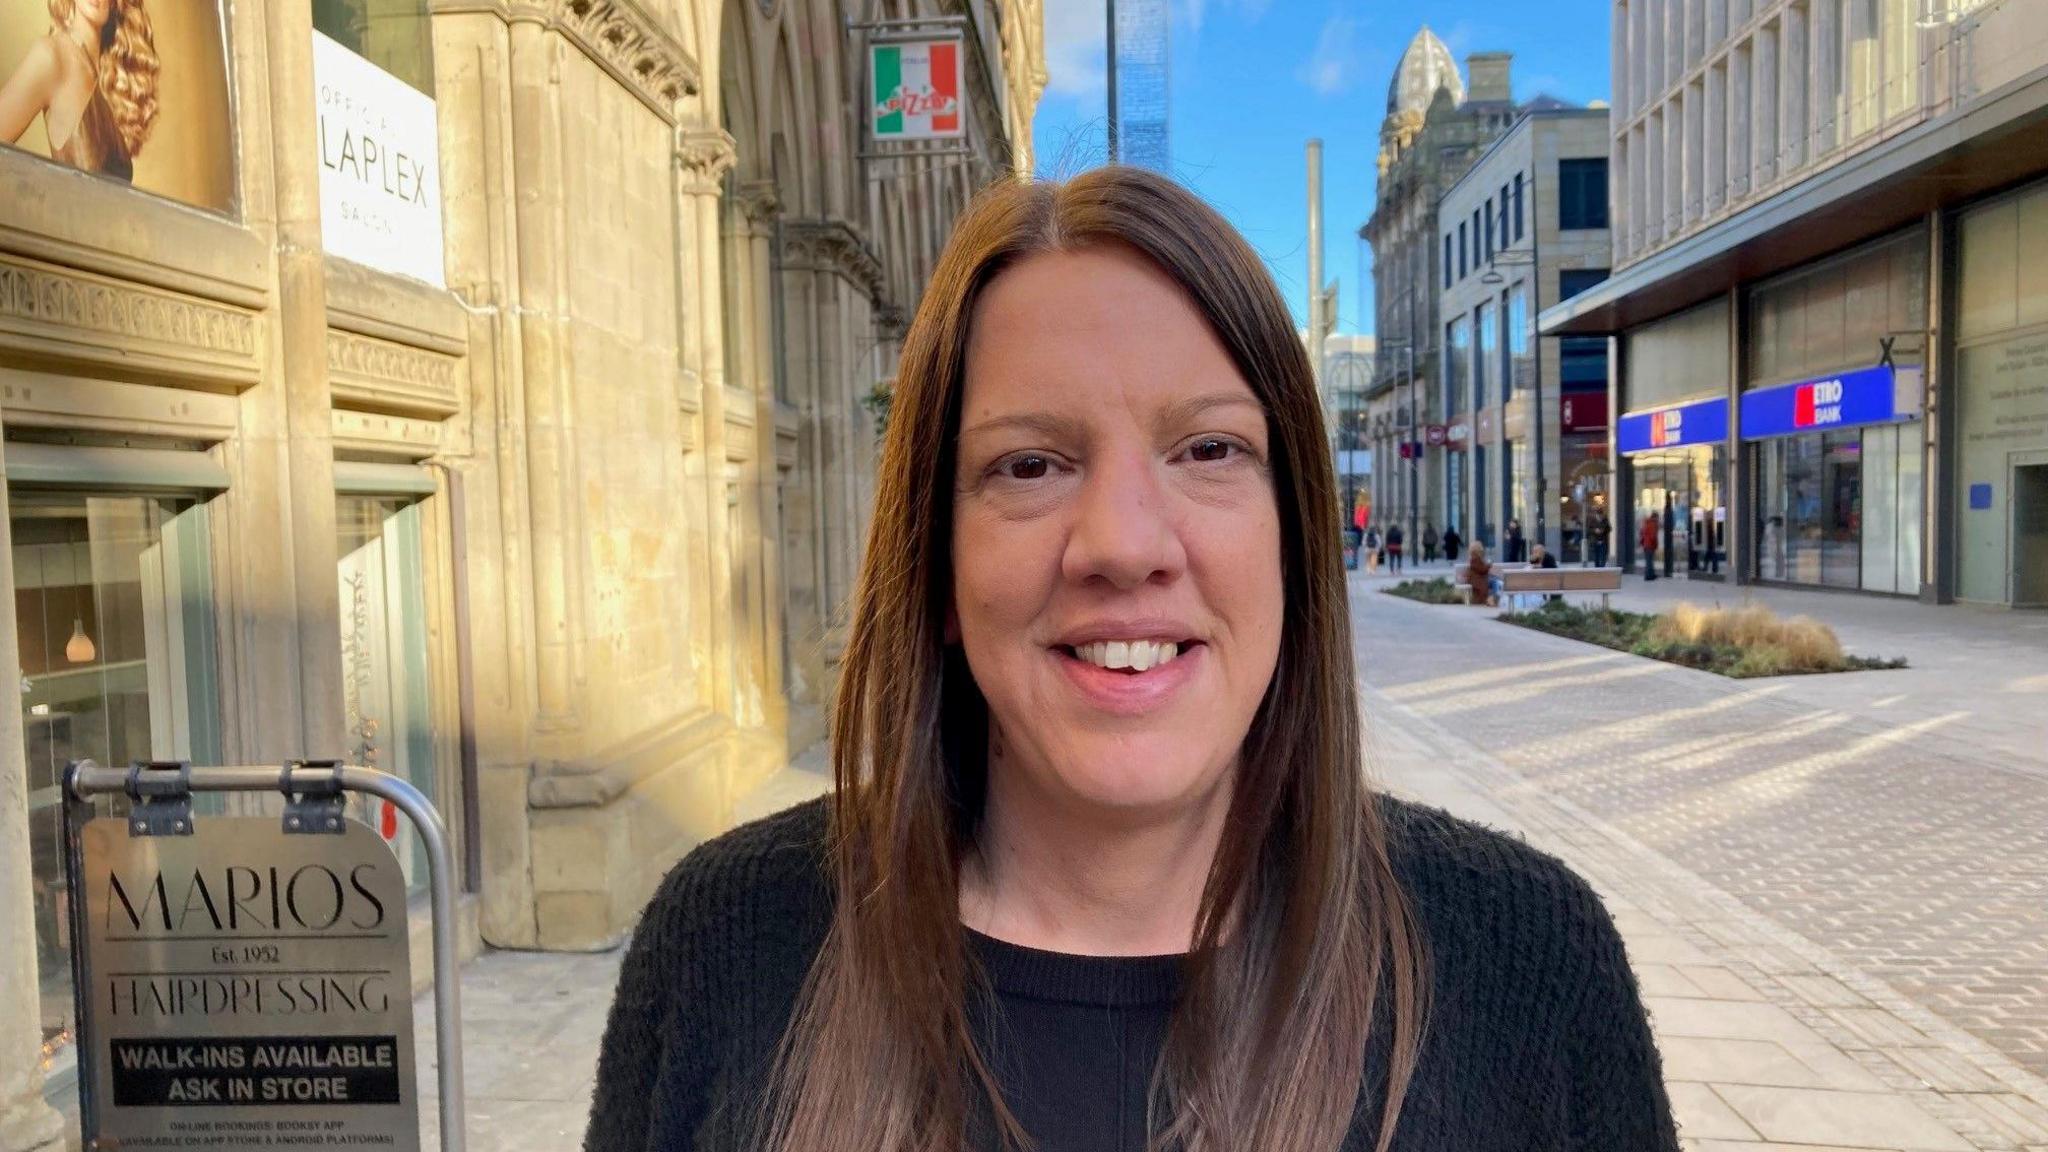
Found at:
<point>1520,581</point>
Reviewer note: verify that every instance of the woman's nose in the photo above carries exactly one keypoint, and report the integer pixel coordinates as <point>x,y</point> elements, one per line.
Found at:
<point>1124,531</point>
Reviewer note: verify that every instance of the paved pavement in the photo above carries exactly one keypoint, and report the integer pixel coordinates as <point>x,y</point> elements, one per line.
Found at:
<point>1834,889</point>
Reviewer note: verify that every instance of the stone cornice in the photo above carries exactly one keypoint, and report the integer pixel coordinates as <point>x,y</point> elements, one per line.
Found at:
<point>833,245</point>
<point>80,317</point>
<point>618,36</point>
<point>364,371</point>
<point>703,156</point>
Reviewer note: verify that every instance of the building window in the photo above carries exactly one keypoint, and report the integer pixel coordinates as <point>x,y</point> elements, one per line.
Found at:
<point>1582,193</point>
<point>1447,260</point>
<point>1475,240</point>
<point>395,35</point>
<point>1518,207</point>
<point>1489,231</point>
<point>1520,366</point>
<point>1462,268</point>
<point>1572,281</point>
<point>1457,366</point>
<point>114,618</point>
<point>387,679</point>
<point>1489,348</point>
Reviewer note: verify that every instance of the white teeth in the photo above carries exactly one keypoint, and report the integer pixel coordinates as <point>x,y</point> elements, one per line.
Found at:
<point>1137,655</point>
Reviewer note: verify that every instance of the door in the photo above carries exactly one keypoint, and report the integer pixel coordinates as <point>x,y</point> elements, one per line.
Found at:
<point>2030,535</point>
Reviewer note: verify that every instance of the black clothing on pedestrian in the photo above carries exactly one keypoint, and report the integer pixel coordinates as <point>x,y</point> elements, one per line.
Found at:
<point>1452,543</point>
<point>1536,1039</point>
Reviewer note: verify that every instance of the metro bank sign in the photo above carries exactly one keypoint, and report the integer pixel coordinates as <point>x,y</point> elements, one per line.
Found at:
<point>1881,394</point>
<point>1703,422</point>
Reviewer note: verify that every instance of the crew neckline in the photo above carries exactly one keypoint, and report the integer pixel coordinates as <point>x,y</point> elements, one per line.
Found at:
<point>1068,978</point>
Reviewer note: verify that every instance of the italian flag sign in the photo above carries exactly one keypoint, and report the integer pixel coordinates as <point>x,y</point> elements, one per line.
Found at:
<point>916,89</point>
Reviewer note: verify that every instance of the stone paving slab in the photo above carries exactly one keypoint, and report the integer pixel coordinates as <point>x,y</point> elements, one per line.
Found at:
<point>1829,1041</point>
<point>1910,848</point>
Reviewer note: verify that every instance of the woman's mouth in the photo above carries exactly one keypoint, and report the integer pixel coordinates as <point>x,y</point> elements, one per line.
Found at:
<point>1129,678</point>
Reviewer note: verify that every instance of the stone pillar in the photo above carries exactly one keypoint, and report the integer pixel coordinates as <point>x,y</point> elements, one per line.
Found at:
<point>27,1124</point>
<point>550,462</point>
<point>281,513</point>
<point>704,155</point>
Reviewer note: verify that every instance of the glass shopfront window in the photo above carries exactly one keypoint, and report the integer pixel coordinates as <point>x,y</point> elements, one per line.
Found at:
<point>387,697</point>
<point>114,618</point>
<point>1486,364</point>
<point>1841,507</point>
<point>1685,488</point>
<point>395,35</point>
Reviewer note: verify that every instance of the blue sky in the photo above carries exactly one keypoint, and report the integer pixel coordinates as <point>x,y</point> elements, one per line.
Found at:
<point>1253,80</point>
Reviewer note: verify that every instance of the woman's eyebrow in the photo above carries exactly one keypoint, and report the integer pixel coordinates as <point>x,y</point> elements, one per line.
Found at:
<point>1182,411</point>
<point>1044,423</point>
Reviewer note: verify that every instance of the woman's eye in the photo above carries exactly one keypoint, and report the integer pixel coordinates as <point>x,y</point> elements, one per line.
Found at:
<point>1025,467</point>
<point>1211,449</point>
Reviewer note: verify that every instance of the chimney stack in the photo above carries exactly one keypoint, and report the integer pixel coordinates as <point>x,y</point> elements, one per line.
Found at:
<point>1487,77</point>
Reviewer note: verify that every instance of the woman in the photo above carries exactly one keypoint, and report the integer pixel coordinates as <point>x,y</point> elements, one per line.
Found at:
<point>1515,546</point>
<point>1452,541</point>
<point>93,81</point>
<point>1486,584</point>
<point>1429,541</point>
<point>1372,550</point>
<point>1646,539</point>
<point>1101,870</point>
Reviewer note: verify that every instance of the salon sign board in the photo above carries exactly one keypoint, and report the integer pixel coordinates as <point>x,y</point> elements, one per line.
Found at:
<point>916,88</point>
<point>244,988</point>
<point>380,166</point>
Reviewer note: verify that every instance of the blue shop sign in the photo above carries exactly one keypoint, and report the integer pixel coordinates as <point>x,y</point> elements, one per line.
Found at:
<point>1865,396</point>
<point>1701,422</point>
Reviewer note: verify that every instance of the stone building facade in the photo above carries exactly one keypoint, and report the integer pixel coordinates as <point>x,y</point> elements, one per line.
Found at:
<point>562,529</point>
<point>1436,126</point>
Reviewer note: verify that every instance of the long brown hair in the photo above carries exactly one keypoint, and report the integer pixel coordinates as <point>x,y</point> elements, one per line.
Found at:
<point>1268,1042</point>
<point>128,68</point>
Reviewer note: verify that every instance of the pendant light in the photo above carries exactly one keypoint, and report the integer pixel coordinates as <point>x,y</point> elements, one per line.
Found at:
<point>79,649</point>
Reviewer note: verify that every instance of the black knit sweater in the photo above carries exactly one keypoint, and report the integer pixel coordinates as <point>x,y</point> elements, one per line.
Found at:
<point>1536,1038</point>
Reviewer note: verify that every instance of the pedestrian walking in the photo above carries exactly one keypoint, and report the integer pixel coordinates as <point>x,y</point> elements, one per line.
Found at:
<point>1670,530</point>
<point>1647,540</point>
<point>1394,541</point>
<point>1603,537</point>
<point>993,905</point>
<point>1372,550</point>
<point>1452,542</point>
<point>1429,542</point>
<point>1516,547</point>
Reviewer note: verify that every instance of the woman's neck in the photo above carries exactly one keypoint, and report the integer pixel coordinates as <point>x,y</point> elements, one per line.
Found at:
<point>1064,876</point>
<point>83,33</point>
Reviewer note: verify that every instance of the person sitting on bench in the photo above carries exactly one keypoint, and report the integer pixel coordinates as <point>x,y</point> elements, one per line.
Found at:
<point>1480,576</point>
<point>1540,557</point>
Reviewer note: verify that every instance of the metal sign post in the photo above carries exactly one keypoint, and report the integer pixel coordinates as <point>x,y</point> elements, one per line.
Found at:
<point>244,981</point>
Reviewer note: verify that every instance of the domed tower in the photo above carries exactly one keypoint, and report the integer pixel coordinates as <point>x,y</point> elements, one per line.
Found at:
<point>1425,68</point>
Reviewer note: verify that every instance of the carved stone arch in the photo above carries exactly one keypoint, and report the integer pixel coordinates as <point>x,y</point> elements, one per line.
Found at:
<point>791,159</point>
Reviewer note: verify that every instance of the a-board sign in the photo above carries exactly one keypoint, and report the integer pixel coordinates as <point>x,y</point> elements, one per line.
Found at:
<point>245,988</point>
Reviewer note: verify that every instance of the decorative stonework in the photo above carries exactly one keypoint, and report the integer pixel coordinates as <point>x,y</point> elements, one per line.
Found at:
<point>759,202</point>
<point>101,319</point>
<point>833,245</point>
<point>383,374</point>
<point>618,36</point>
<point>703,155</point>
<point>628,43</point>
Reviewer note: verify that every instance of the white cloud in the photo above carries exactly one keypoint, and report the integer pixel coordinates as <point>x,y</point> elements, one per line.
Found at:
<point>1074,46</point>
<point>1334,64</point>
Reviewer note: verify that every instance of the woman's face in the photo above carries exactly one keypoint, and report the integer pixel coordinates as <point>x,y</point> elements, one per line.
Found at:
<point>93,12</point>
<point>1116,547</point>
